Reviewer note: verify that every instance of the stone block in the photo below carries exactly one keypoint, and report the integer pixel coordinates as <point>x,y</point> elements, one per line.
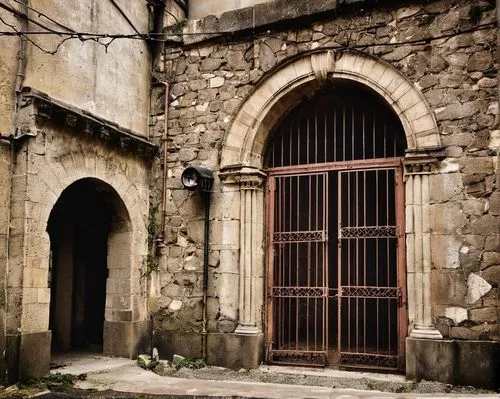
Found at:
<point>485,225</point>
<point>477,287</point>
<point>444,187</point>
<point>477,364</point>
<point>446,218</point>
<point>28,355</point>
<point>486,314</point>
<point>235,351</point>
<point>445,251</point>
<point>430,360</point>
<point>448,288</point>
<point>184,343</point>
<point>126,339</point>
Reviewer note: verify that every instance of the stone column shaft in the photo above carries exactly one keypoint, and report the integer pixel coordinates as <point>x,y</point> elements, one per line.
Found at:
<point>419,250</point>
<point>251,259</point>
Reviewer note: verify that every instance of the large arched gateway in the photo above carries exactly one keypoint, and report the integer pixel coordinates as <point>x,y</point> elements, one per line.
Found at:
<point>336,275</point>
<point>336,148</point>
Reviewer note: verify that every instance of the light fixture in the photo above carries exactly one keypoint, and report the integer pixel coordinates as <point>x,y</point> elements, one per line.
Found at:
<point>200,178</point>
<point>197,178</point>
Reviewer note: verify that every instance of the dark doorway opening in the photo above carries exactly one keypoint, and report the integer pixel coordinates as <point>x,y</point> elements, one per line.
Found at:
<point>79,227</point>
<point>336,243</point>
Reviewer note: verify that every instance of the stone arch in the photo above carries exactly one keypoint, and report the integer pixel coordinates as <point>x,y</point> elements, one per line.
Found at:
<point>242,177</point>
<point>105,213</point>
<point>289,83</point>
<point>56,161</point>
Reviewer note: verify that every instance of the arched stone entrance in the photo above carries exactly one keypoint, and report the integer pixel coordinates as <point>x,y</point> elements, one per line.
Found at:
<point>90,241</point>
<point>48,166</point>
<point>242,172</point>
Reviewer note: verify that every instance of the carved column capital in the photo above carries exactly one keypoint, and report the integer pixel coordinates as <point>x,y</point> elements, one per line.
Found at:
<point>246,177</point>
<point>422,161</point>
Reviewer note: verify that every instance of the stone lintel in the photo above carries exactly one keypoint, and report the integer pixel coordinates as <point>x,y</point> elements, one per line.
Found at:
<point>37,105</point>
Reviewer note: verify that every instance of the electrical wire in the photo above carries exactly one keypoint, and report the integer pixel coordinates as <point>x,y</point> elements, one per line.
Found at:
<point>41,14</point>
<point>124,16</point>
<point>167,37</point>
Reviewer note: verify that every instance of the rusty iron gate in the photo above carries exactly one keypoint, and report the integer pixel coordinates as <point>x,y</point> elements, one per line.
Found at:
<point>336,276</point>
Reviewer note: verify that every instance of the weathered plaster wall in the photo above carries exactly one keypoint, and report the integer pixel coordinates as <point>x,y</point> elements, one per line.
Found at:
<point>201,8</point>
<point>8,70</point>
<point>458,76</point>
<point>111,83</point>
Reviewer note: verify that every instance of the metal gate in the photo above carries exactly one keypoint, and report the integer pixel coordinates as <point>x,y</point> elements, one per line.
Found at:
<point>298,274</point>
<point>370,291</point>
<point>335,238</point>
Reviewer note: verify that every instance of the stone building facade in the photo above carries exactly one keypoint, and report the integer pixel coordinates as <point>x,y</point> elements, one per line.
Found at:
<point>434,64</point>
<point>75,156</point>
<point>92,155</point>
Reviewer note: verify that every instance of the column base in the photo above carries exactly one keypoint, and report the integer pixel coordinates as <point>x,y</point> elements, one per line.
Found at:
<point>425,332</point>
<point>126,338</point>
<point>246,330</point>
<point>28,355</point>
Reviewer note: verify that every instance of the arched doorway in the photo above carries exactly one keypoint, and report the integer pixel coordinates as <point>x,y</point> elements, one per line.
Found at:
<point>87,215</point>
<point>336,271</point>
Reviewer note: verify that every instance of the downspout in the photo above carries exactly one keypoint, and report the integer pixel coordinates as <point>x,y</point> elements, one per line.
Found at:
<point>18,86</point>
<point>204,331</point>
<point>497,116</point>
<point>21,64</point>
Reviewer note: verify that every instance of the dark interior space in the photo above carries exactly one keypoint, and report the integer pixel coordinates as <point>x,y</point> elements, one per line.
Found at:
<point>79,227</point>
<point>335,261</point>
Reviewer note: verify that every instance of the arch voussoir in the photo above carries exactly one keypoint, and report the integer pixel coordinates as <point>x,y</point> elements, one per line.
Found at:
<point>250,127</point>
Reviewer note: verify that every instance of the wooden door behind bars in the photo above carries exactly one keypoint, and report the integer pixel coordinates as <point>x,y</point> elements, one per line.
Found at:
<point>336,277</point>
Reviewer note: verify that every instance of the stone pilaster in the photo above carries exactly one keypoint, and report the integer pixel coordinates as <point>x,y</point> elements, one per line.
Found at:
<point>418,244</point>
<point>251,254</point>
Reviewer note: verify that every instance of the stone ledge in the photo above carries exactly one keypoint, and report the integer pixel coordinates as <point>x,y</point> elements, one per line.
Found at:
<point>258,17</point>
<point>36,104</point>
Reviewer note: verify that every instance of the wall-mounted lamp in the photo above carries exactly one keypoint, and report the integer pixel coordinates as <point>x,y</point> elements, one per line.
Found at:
<point>200,178</point>
<point>197,178</point>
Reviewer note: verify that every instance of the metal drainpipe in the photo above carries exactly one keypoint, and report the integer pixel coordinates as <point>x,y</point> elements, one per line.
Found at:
<point>165,148</point>
<point>204,331</point>
<point>21,64</point>
<point>497,117</point>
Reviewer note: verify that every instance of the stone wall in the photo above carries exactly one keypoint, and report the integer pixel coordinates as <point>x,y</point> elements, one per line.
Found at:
<point>457,74</point>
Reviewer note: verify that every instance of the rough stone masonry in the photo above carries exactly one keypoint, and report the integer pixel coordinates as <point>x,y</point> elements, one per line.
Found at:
<point>457,73</point>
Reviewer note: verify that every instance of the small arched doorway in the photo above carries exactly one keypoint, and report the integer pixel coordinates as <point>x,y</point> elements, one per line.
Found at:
<point>336,271</point>
<point>81,225</point>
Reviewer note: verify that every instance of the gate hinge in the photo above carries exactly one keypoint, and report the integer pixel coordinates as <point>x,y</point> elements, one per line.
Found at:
<point>400,297</point>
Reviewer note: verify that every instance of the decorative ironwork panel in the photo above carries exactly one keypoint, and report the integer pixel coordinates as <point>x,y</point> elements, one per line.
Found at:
<point>298,357</point>
<point>369,232</point>
<point>371,292</point>
<point>357,360</point>
<point>300,236</point>
<point>303,292</point>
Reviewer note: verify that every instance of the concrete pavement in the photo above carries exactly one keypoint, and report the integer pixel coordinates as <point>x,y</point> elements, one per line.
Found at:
<point>124,375</point>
